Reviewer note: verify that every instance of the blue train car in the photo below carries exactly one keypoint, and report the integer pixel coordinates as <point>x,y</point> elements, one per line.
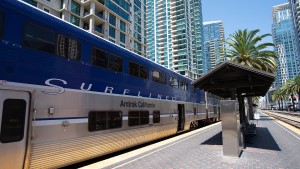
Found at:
<point>67,95</point>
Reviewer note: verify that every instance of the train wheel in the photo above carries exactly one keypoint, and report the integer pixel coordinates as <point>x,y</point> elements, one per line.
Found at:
<point>194,125</point>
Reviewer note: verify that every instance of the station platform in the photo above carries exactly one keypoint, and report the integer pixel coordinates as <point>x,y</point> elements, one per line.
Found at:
<point>275,145</point>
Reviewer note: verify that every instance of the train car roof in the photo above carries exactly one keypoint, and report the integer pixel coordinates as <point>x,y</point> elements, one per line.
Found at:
<point>82,34</point>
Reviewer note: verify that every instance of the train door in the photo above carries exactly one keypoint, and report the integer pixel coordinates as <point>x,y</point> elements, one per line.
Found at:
<point>14,107</point>
<point>181,117</point>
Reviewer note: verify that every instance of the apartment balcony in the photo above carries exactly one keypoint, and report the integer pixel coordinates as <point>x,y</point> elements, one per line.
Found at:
<point>99,29</point>
<point>99,4</point>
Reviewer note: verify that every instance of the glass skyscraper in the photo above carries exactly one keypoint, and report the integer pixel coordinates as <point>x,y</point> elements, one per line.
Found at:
<point>175,34</point>
<point>213,41</point>
<point>284,39</point>
<point>295,9</point>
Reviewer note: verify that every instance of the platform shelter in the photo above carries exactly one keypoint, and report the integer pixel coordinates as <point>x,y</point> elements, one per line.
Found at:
<point>235,81</point>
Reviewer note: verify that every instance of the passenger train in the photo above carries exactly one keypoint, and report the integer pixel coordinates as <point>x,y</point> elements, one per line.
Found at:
<point>67,95</point>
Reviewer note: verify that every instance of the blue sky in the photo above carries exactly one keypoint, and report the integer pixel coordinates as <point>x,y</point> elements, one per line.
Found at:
<point>241,14</point>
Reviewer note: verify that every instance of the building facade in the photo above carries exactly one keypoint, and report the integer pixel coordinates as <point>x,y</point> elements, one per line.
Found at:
<point>122,22</point>
<point>295,10</point>
<point>175,34</point>
<point>213,43</point>
<point>284,39</point>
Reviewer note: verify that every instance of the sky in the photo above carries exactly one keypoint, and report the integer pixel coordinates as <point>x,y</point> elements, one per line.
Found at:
<point>241,14</point>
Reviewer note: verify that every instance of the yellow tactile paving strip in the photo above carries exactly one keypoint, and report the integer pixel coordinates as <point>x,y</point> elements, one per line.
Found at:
<point>290,127</point>
<point>135,153</point>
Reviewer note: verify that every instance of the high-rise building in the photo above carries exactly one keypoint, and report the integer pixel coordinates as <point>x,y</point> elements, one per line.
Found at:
<point>295,9</point>
<point>175,34</point>
<point>284,39</point>
<point>122,22</point>
<point>213,32</point>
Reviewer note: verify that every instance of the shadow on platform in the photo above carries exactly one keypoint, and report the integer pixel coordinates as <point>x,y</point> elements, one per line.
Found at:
<point>262,140</point>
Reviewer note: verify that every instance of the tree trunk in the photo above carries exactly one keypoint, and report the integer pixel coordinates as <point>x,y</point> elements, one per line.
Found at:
<point>250,104</point>
<point>293,103</point>
<point>278,104</point>
<point>282,104</point>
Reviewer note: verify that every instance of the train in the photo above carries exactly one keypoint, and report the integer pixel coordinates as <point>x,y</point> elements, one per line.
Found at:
<point>67,95</point>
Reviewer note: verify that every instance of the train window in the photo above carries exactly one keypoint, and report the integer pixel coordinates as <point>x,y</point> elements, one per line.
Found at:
<point>68,48</point>
<point>102,59</point>
<point>115,63</point>
<point>13,120</point>
<point>1,24</point>
<point>99,58</point>
<point>39,38</point>
<point>158,77</point>
<point>156,116</point>
<point>138,71</point>
<point>144,117</point>
<point>174,82</point>
<point>114,120</point>
<point>138,118</point>
<point>184,85</point>
<point>134,69</point>
<point>143,72</point>
<point>104,120</point>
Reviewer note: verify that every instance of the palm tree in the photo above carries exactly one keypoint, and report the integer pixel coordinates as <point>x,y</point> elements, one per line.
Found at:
<point>287,88</point>
<point>243,48</point>
<point>291,87</point>
<point>279,95</point>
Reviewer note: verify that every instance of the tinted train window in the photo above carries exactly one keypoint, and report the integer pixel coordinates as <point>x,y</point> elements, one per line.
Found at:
<point>68,48</point>
<point>106,60</point>
<point>99,58</point>
<point>115,63</point>
<point>184,86</point>
<point>156,116</point>
<point>1,24</point>
<point>13,120</point>
<point>138,118</point>
<point>138,70</point>
<point>39,38</point>
<point>174,82</point>
<point>158,77</point>
<point>104,120</point>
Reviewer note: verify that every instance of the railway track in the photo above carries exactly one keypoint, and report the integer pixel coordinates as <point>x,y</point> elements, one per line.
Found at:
<point>290,118</point>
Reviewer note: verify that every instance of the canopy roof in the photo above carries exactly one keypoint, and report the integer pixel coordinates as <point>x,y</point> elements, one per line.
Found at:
<point>229,76</point>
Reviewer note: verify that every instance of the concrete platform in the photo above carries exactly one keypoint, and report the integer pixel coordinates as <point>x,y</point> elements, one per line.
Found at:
<point>276,145</point>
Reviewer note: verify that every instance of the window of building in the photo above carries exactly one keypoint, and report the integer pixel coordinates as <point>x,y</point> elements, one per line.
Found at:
<point>136,118</point>
<point>158,77</point>
<point>75,8</point>
<point>138,70</point>
<point>156,116</point>
<point>39,38</point>
<point>13,120</point>
<point>46,10</point>
<point>1,24</point>
<point>112,19</point>
<point>122,26</point>
<point>103,120</point>
<point>74,20</point>
<point>106,60</point>
<point>174,82</point>
<point>122,37</point>
<point>31,2</point>
<point>68,48</point>
<point>112,32</point>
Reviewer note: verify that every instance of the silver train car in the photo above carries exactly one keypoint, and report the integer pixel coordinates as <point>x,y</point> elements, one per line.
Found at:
<point>54,139</point>
<point>49,118</point>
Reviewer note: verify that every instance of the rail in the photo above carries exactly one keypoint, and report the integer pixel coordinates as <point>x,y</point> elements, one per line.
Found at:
<point>290,118</point>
